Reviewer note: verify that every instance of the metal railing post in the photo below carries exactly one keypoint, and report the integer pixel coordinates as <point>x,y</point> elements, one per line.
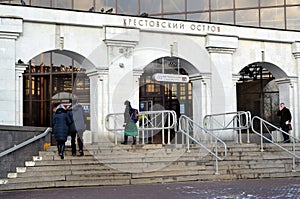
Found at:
<point>143,131</point>
<point>240,130</point>
<point>116,138</point>
<point>294,159</point>
<point>188,133</point>
<point>217,163</point>
<point>261,137</point>
<point>169,130</point>
<point>163,128</point>
<point>248,118</point>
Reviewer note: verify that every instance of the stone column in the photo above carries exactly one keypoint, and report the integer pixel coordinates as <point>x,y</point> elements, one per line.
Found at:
<point>99,103</point>
<point>136,87</point>
<point>294,106</point>
<point>296,122</point>
<point>10,29</point>
<point>201,96</point>
<point>221,49</point>
<point>289,96</point>
<point>20,68</point>
<point>120,44</point>
<point>235,79</point>
<point>223,90</point>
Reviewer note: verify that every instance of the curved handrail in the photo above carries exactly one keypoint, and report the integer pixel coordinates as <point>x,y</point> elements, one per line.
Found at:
<point>263,123</point>
<point>114,117</point>
<point>119,127</point>
<point>16,147</point>
<point>230,124</point>
<point>156,115</point>
<point>155,121</point>
<point>237,121</point>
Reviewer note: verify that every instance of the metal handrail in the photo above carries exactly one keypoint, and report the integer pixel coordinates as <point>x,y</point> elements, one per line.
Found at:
<point>264,123</point>
<point>29,141</point>
<point>155,120</point>
<point>184,124</point>
<point>240,120</point>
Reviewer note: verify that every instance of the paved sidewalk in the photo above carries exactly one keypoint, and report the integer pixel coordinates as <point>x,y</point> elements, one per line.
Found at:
<point>237,189</point>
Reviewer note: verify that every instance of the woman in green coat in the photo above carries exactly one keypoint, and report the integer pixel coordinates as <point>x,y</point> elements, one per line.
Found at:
<point>130,125</point>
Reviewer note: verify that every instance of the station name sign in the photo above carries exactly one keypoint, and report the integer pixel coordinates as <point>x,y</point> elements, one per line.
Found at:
<point>148,23</point>
<point>161,77</point>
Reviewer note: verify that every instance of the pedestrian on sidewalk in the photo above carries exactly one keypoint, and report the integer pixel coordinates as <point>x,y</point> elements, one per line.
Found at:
<point>60,128</point>
<point>285,121</point>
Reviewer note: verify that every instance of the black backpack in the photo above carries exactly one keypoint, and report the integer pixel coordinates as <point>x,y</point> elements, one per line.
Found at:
<point>134,115</point>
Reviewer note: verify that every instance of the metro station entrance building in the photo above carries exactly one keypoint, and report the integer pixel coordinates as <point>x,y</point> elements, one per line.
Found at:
<point>50,56</point>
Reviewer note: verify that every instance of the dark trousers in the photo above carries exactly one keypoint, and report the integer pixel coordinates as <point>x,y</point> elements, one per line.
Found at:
<point>286,137</point>
<point>79,142</point>
<point>61,147</point>
<point>126,140</point>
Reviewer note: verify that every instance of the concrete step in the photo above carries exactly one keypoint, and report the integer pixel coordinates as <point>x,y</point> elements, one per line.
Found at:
<point>109,164</point>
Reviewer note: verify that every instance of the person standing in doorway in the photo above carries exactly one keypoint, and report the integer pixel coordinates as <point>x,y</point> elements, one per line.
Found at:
<point>130,125</point>
<point>77,126</point>
<point>60,128</point>
<point>285,121</point>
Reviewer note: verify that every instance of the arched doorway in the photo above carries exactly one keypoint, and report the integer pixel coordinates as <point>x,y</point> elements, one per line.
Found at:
<point>52,78</point>
<point>166,95</point>
<point>175,96</point>
<point>257,90</point>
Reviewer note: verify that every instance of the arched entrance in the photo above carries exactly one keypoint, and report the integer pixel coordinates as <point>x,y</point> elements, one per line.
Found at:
<point>175,96</point>
<point>258,92</point>
<point>166,95</point>
<point>51,78</point>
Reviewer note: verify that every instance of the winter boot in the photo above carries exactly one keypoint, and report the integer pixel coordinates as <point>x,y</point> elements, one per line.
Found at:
<point>80,145</point>
<point>58,149</point>
<point>125,140</point>
<point>134,140</point>
<point>73,144</point>
<point>62,150</point>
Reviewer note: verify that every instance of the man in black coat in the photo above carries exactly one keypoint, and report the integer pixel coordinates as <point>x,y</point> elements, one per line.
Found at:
<point>285,121</point>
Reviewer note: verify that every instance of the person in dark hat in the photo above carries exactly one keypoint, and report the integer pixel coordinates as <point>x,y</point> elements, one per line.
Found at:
<point>61,123</point>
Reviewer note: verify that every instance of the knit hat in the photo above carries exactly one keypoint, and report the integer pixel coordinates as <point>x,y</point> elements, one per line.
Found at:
<point>60,106</point>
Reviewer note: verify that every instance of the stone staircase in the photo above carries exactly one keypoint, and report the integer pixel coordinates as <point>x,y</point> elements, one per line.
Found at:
<point>108,164</point>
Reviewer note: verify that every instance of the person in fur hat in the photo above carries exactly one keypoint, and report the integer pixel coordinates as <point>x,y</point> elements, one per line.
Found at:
<point>60,128</point>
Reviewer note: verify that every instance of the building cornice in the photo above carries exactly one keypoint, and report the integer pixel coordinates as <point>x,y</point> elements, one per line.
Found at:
<point>10,28</point>
<point>221,44</point>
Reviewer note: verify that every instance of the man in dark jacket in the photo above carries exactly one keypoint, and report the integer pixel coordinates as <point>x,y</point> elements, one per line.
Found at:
<point>60,128</point>
<point>77,126</point>
<point>285,121</point>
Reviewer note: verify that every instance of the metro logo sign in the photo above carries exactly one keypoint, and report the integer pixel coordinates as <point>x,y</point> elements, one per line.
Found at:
<point>160,77</point>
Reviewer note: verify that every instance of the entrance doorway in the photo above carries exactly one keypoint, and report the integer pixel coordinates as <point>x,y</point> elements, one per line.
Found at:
<point>258,92</point>
<point>161,95</point>
<point>51,79</point>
